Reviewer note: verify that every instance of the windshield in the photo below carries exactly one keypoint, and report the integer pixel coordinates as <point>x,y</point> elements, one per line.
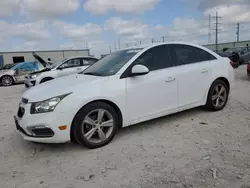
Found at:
<point>55,64</point>
<point>8,66</point>
<point>231,50</point>
<point>16,66</point>
<point>111,64</point>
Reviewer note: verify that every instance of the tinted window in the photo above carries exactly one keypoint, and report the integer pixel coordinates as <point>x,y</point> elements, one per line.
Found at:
<point>188,54</point>
<point>156,58</point>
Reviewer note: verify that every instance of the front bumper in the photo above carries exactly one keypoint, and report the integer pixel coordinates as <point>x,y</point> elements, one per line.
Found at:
<point>51,121</point>
<point>29,83</point>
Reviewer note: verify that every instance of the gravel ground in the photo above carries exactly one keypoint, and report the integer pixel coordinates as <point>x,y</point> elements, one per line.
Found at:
<point>194,148</point>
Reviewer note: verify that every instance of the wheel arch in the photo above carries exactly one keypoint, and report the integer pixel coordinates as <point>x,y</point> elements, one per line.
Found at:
<point>224,80</point>
<point>45,78</point>
<point>112,104</point>
<point>7,75</point>
<point>219,78</point>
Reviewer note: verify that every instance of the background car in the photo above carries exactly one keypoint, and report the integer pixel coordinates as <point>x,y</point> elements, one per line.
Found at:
<point>240,55</point>
<point>124,88</point>
<point>15,73</point>
<point>7,67</point>
<point>58,69</point>
<point>248,68</point>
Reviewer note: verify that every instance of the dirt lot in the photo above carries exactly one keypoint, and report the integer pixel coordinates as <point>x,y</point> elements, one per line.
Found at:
<point>190,149</point>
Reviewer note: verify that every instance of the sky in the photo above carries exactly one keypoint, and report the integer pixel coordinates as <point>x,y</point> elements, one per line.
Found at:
<point>104,25</point>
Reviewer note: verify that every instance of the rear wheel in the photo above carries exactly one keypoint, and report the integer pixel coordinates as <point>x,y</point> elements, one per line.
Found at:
<point>217,96</point>
<point>95,125</point>
<point>7,80</point>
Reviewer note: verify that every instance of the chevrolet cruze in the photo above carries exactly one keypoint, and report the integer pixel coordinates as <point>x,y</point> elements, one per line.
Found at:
<point>124,88</point>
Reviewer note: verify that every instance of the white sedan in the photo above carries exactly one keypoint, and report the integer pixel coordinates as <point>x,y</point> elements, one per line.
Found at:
<point>66,67</point>
<point>124,88</point>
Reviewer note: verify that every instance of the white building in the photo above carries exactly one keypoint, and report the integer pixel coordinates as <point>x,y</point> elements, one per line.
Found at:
<point>54,55</point>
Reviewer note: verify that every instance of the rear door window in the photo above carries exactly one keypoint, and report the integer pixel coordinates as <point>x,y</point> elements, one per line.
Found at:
<point>186,54</point>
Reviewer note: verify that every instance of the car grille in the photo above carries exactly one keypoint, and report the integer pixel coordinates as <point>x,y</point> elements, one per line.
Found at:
<point>20,112</point>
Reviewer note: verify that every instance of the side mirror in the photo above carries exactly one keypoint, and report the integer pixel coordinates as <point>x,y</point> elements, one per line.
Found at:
<point>138,70</point>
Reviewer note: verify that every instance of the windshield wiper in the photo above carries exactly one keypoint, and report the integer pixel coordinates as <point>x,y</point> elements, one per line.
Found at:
<point>93,73</point>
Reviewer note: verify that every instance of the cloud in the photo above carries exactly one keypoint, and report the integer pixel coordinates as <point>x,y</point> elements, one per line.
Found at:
<point>7,7</point>
<point>73,31</point>
<point>27,31</point>
<point>128,6</point>
<point>132,29</point>
<point>49,8</point>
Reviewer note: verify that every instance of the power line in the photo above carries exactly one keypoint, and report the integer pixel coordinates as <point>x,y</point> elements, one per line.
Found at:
<point>216,30</point>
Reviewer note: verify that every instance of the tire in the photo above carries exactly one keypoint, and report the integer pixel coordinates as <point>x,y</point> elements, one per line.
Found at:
<point>46,79</point>
<point>212,97</point>
<point>7,81</point>
<point>80,128</point>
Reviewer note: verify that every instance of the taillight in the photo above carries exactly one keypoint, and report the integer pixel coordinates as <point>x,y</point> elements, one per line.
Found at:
<point>248,66</point>
<point>233,64</point>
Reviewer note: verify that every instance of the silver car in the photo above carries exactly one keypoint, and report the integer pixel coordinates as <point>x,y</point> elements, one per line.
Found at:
<point>15,73</point>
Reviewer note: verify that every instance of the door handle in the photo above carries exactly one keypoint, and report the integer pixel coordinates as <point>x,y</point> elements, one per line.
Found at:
<point>170,79</point>
<point>78,69</point>
<point>204,71</point>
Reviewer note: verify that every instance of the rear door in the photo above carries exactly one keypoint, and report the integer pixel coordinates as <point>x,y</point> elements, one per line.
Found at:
<point>194,72</point>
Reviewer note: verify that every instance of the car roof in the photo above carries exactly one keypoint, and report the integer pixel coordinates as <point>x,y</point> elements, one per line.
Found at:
<point>71,57</point>
<point>144,46</point>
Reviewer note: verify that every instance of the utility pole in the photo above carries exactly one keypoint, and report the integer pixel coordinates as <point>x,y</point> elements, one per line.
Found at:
<point>238,32</point>
<point>216,30</point>
<point>119,44</point>
<point>152,40</point>
<point>115,45</point>
<point>163,38</point>
<point>209,29</point>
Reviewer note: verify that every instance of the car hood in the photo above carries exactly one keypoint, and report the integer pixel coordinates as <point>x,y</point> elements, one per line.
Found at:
<point>63,85</point>
<point>9,72</point>
<point>41,60</point>
<point>41,71</point>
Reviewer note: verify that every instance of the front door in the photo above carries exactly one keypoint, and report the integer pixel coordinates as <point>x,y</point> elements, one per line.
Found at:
<point>194,73</point>
<point>153,94</point>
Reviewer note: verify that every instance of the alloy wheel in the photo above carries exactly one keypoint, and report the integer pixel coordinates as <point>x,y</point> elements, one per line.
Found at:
<point>97,126</point>
<point>219,96</point>
<point>7,81</point>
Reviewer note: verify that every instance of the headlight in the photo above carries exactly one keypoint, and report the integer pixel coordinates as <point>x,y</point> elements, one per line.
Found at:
<point>48,105</point>
<point>33,76</point>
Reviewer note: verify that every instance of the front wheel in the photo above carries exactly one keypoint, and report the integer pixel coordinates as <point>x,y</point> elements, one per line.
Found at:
<point>217,96</point>
<point>7,81</point>
<point>95,125</point>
